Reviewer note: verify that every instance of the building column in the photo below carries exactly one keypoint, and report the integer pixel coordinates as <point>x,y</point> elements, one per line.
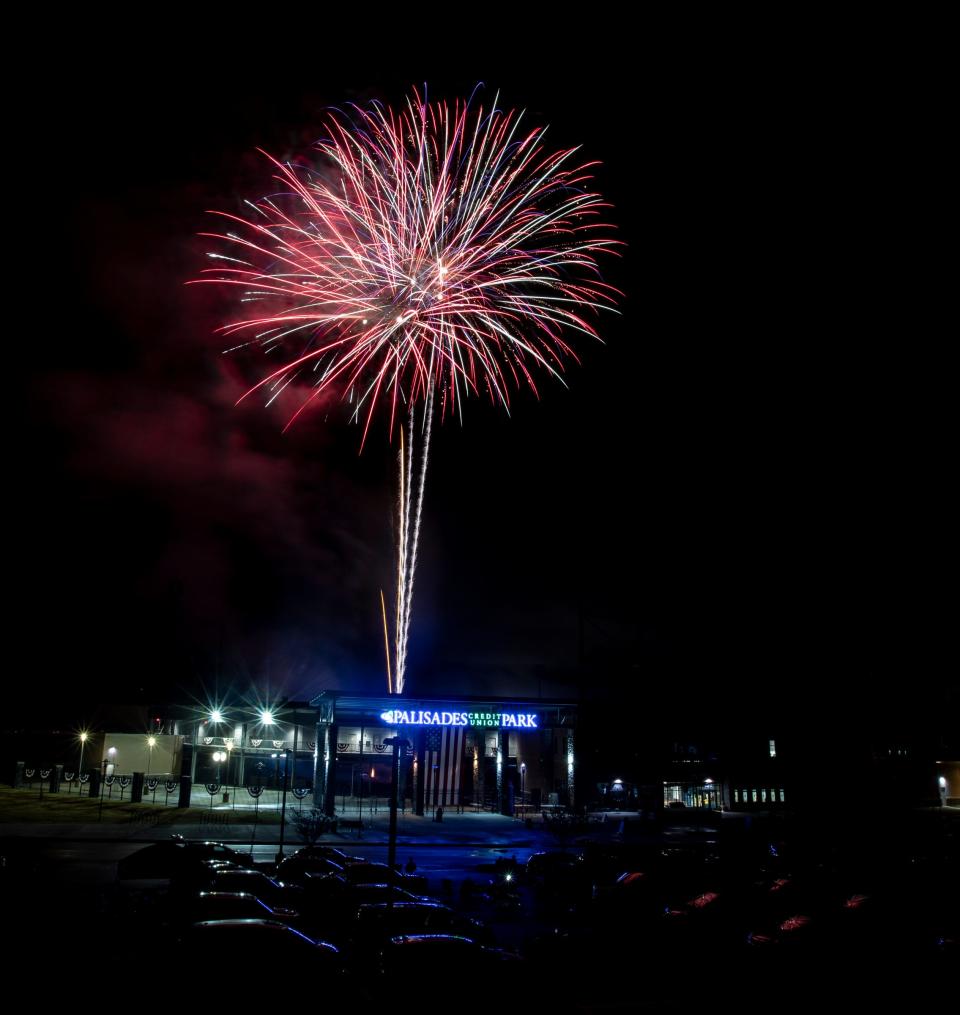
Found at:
<point>571,801</point>
<point>474,753</point>
<point>503,801</point>
<point>420,778</point>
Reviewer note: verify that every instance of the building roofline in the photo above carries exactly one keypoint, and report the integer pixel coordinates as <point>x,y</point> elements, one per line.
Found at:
<point>386,701</point>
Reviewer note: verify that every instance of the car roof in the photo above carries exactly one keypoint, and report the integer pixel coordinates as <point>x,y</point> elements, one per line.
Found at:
<point>372,908</point>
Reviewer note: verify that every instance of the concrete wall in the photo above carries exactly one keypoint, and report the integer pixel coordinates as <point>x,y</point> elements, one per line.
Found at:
<point>132,754</point>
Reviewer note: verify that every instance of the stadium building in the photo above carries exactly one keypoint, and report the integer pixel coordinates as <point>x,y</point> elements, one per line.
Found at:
<point>465,752</point>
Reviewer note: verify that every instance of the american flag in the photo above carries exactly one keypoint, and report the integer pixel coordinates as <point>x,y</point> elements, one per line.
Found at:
<point>443,754</point>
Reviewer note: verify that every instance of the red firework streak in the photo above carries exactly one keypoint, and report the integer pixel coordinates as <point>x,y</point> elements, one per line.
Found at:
<point>423,255</point>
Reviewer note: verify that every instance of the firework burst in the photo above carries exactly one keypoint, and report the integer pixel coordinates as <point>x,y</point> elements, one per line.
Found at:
<point>428,254</point>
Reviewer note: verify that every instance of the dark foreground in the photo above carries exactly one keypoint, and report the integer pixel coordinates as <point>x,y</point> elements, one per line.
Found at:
<point>766,917</point>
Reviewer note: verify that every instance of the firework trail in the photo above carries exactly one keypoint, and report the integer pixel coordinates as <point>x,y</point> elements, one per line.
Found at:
<point>407,543</point>
<point>427,254</point>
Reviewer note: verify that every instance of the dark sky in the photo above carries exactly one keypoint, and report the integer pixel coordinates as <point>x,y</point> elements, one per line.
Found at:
<point>742,494</point>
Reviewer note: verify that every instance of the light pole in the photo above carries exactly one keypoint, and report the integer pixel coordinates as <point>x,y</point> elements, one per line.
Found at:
<point>215,718</point>
<point>360,804</point>
<point>265,715</point>
<point>283,808</point>
<point>151,743</point>
<point>193,754</point>
<point>242,768</point>
<point>219,757</point>
<point>103,766</point>
<point>399,744</point>
<point>523,777</point>
<point>83,741</point>
<point>229,769</point>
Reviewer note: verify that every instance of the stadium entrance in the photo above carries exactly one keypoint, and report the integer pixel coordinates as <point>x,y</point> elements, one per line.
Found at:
<point>511,755</point>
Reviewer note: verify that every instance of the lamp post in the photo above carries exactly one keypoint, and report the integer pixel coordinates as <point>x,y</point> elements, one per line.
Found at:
<point>242,765</point>
<point>399,744</point>
<point>193,754</point>
<point>360,804</point>
<point>215,718</point>
<point>151,743</point>
<point>219,757</point>
<point>83,741</point>
<point>283,808</point>
<point>265,715</point>
<point>229,770</point>
<point>103,766</point>
<point>523,779</point>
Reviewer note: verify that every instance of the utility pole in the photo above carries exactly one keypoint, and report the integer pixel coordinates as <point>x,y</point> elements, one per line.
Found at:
<point>399,744</point>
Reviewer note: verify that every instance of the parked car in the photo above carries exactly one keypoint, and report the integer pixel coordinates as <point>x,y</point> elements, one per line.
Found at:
<point>206,906</point>
<point>382,874</point>
<point>327,853</point>
<point>356,896</point>
<point>449,961</point>
<point>276,894</point>
<point>167,860</point>
<point>376,924</point>
<point>541,865</point>
<point>296,869</point>
<point>224,943</point>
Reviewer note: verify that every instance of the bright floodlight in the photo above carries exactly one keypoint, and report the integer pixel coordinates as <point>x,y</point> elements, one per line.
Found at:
<point>83,737</point>
<point>216,715</point>
<point>266,717</point>
<point>151,741</point>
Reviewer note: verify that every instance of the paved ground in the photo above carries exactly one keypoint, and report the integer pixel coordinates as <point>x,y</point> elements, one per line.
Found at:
<point>244,824</point>
<point>483,829</point>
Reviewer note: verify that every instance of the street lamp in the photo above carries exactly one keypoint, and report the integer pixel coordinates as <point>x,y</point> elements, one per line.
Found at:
<point>283,808</point>
<point>219,757</point>
<point>83,740</point>
<point>523,779</point>
<point>151,743</point>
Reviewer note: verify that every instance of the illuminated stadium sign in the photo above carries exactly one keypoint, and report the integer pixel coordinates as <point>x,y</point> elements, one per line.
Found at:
<point>418,717</point>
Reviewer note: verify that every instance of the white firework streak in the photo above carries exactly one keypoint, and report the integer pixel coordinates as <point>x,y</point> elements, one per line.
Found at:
<point>408,541</point>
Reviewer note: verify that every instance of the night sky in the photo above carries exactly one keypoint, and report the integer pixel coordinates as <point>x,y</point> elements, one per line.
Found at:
<point>738,507</point>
